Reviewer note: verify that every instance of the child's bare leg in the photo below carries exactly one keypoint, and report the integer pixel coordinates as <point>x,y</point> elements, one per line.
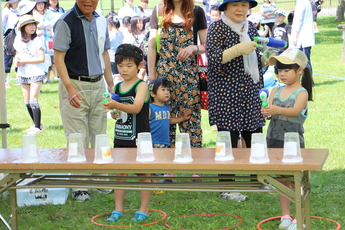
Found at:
<point>285,202</point>
<point>119,195</point>
<point>145,196</point>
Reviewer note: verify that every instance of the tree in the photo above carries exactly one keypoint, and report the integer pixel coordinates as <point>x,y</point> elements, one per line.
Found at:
<point>340,11</point>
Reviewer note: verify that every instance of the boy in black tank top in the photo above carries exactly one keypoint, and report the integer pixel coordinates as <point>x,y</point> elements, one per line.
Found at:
<point>134,118</point>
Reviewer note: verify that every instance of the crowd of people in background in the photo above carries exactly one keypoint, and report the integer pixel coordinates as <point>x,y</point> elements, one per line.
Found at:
<point>142,53</point>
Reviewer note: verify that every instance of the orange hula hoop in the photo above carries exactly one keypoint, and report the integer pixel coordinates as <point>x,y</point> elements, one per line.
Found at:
<point>258,226</point>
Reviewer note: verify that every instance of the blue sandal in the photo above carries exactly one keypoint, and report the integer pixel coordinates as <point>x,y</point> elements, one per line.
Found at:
<point>138,216</point>
<point>115,215</point>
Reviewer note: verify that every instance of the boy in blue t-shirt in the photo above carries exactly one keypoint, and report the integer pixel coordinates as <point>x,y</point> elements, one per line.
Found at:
<point>160,119</point>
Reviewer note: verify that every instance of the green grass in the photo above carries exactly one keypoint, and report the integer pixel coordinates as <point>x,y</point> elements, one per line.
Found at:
<point>324,128</point>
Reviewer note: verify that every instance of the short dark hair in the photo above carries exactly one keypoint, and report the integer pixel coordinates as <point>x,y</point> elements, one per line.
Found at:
<point>154,85</point>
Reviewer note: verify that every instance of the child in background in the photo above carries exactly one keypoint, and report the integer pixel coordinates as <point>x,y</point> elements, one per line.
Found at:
<point>256,22</point>
<point>45,31</point>
<point>208,5</point>
<point>281,30</point>
<point>29,61</point>
<point>134,107</point>
<point>288,110</point>
<point>136,30</point>
<point>116,38</point>
<point>215,14</point>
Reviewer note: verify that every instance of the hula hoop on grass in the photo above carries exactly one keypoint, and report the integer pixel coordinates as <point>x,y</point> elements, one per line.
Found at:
<point>92,220</point>
<point>238,224</point>
<point>258,226</point>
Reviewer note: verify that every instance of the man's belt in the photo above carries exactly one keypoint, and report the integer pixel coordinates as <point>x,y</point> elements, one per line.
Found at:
<point>88,79</point>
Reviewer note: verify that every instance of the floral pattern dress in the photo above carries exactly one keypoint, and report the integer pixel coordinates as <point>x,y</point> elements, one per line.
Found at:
<point>234,102</point>
<point>184,81</point>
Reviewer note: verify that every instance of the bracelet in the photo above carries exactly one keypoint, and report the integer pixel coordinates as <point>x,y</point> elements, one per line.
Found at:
<point>197,50</point>
<point>204,45</point>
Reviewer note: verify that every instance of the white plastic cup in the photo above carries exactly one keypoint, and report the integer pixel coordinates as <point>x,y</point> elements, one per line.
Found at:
<point>29,149</point>
<point>258,152</point>
<point>144,147</point>
<point>102,150</point>
<point>292,150</point>
<point>183,151</point>
<point>76,152</point>
<point>223,147</point>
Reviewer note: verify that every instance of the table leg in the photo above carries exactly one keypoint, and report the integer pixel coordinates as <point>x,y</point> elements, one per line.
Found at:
<point>307,190</point>
<point>13,204</point>
<point>298,200</point>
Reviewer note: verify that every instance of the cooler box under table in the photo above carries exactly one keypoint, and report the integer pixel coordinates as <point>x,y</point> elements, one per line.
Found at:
<point>38,196</point>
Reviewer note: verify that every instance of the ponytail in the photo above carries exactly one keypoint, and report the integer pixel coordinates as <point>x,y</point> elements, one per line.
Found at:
<point>307,82</point>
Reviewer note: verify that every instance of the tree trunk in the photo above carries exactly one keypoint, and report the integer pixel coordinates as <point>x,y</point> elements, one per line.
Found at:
<point>340,11</point>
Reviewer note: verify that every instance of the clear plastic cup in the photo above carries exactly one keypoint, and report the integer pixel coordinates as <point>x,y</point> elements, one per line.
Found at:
<point>102,150</point>
<point>292,150</point>
<point>76,151</point>
<point>258,152</point>
<point>29,149</point>
<point>223,147</point>
<point>144,147</point>
<point>183,151</point>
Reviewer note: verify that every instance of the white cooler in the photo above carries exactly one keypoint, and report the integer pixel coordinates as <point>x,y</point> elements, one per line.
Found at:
<point>38,196</point>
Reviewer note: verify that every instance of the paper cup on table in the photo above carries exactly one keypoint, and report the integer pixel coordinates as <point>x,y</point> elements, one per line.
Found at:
<point>144,147</point>
<point>76,151</point>
<point>183,151</point>
<point>223,147</point>
<point>102,150</point>
<point>29,149</point>
<point>258,152</point>
<point>292,151</point>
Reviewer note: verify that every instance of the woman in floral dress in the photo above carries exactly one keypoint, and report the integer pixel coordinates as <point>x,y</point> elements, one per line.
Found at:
<point>181,23</point>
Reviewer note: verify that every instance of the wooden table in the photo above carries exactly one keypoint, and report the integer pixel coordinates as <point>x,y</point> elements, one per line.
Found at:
<point>55,161</point>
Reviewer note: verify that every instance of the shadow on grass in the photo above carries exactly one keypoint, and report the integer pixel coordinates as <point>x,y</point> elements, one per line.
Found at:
<point>322,83</point>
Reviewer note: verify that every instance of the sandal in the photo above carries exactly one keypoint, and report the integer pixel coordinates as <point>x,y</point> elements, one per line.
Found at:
<point>138,215</point>
<point>115,215</point>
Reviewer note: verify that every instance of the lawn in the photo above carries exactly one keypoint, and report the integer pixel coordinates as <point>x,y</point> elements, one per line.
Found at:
<point>324,128</point>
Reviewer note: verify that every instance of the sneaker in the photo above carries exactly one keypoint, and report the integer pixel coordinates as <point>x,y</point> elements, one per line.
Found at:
<point>49,81</point>
<point>35,131</point>
<point>103,191</point>
<point>233,196</point>
<point>285,221</point>
<point>33,127</point>
<point>115,215</point>
<point>195,180</point>
<point>166,180</point>
<point>293,225</point>
<point>81,196</point>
